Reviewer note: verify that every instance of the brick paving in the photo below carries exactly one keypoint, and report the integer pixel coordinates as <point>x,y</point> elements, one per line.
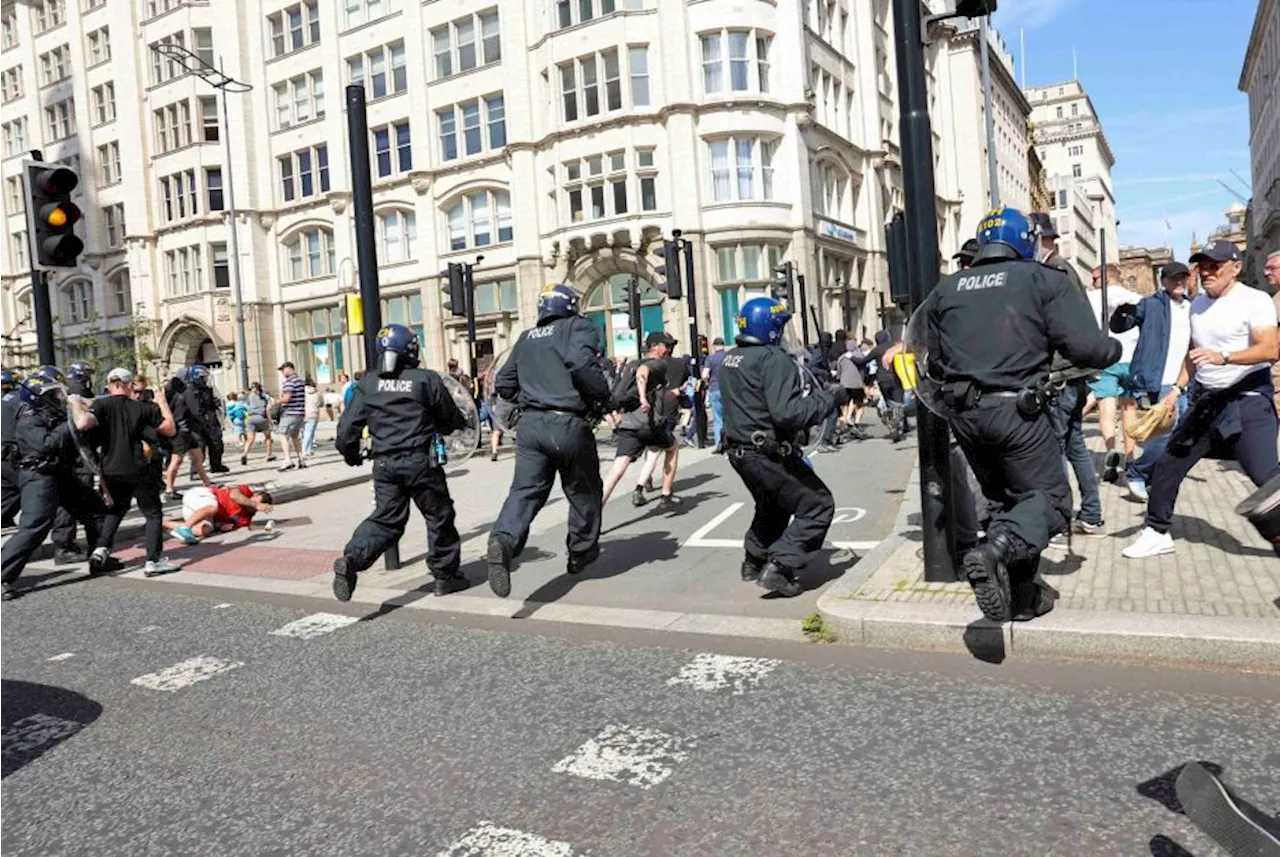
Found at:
<point>1220,567</point>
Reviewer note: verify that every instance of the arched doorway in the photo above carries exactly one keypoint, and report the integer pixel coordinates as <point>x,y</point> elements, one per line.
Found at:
<point>187,342</point>
<point>605,305</point>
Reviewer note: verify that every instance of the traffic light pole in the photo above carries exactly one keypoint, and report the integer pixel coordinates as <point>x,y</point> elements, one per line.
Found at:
<point>937,521</point>
<point>691,292</point>
<point>42,316</point>
<point>804,311</point>
<point>636,308</point>
<point>237,289</point>
<point>469,287</point>
<point>366,246</point>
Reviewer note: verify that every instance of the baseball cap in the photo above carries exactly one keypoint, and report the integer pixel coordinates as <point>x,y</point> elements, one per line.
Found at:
<point>659,337</point>
<point>969,248</point>
<point>288,364</point>
<point>1217,251</point>
<point>119,375</point>
<point>719,340</point>
<point>1173,269</point>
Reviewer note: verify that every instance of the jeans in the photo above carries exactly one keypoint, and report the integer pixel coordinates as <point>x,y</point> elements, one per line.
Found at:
<point>1066,417</point>
<point>1140,470</point>
<point>309,436</point>
<point>717,413</point>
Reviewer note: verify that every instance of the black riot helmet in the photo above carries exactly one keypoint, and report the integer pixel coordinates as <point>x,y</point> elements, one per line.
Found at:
<point>397,347</point>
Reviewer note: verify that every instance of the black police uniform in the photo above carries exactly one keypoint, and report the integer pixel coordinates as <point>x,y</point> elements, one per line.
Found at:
<point>554,375</point>
<point>765,412</point>
<point>10,405</point>
<point>211,417</point>
<point>46,480</point>
<point>63,534</point>
<point>993,329</point>
<point>404,411</point>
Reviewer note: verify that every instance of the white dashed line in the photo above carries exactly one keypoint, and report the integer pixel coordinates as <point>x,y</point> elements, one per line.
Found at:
<point>716,672</point>
<point>62,657</point>
<point>31,733</point>
<point>186,673</point>
<point>222,606</point>
<point>148,629</point>
<point>315,625</point>
<point>626,754</point>
<point>488,840</point>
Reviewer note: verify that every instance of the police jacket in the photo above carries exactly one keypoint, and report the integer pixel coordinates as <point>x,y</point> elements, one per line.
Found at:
<point>402,411</point>
<point>760,391</point>
<point>43,440</point>
<point>10,405</point>
<point>555,367</point>
<point>998,324</point>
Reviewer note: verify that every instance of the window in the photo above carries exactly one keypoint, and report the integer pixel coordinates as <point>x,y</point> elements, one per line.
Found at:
<point>831,200</point>
<point>13,193</point>
<point>99,46</point>
<point>173,126</point>
<point>60,120</point>
<point>121,294</point>
<point>370,70</point>
<point>184,268</point>
<point>1062,199</point>
<point>79,301</point>
<point>109,163</point>
<point>748,70</point>
<point>309,253</point>
<point>1058,111</point>
<point>304,173</point>
<point>113,217</point>
<point>159,7</point>
<point>747,263</point>
<point>570,12</point>
<point>294,27</point>
<point>454,44</point>
<point>164,69</point>
<point>179,195</point>
<point>50,14</point>
<point>1075,109</point>
<point>221,268</point>
<point>398,236</point>
<point>741,169</point>
<point>9,28</point>
<point>475,118</point>
<point>55,65</point>
<point>11,83</point>
<point>15,137</point>
<point>362,11</point>
<point>497,296</point>
<point>318,343</point>
<point>19,254</point>
<point>213,188</point>
<point>392,150</point>
<point>638,60</point>
<point>601,186</point>
<point>475,219</point>
<point>209,131</point>
<point>104,103</point>
<point>648,179</point>
<point>203,39</point>
<point>580,85</point>
<point>299,99</point>
<point>1076,172</point>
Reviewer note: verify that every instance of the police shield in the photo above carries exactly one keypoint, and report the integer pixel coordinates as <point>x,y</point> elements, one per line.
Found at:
<point>463,443</point>
<point>503,412</point>
<point>928,387</point>
<point>87,453</point>
<point>811,438</point>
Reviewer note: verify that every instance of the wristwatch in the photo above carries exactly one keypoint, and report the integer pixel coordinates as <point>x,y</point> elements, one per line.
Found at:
<point>1226,357</point>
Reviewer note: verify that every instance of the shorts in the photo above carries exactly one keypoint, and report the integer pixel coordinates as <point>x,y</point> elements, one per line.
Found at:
<point>238,427</point>
<point>290,425</point>
<point>259,424</point>
<point>185,441</point>
<point>857,395</point>
<point>632,444</point>
<point>1113,382</point>
<point>195,499</point>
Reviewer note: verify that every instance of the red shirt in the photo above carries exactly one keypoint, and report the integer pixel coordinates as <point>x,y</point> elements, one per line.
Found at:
<point>231,512</point>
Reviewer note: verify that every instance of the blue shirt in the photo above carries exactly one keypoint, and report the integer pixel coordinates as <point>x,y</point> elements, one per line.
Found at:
<point>714,363</point>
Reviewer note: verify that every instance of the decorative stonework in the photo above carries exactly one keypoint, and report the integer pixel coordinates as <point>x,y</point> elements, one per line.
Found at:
<point>339,200</point>
<point>421,182</point>
<point>266,219</point>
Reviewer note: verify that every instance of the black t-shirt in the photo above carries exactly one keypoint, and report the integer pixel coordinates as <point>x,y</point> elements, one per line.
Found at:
<point>122,423</point>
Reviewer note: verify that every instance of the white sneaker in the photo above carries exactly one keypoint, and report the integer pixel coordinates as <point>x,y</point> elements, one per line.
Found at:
<point>1138,489</point>
<point>1150,543</point>
<point>159,566</point>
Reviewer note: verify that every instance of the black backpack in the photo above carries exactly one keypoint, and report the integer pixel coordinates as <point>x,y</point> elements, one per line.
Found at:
<point>624,393</point>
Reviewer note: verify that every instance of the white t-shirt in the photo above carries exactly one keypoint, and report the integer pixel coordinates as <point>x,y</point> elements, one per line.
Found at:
<point>1117,296</point>
<point>1224,325</point>
<point>1179,340</point>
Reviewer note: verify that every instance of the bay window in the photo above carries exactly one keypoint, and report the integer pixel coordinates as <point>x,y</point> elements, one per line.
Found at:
<point>309,253</point>
<point>746,53</point>
<point>479,219</point>
<point>741,168</point>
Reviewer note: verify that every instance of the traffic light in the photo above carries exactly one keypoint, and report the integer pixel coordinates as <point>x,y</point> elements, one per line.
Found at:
<point>453,292</point>
<point>669,256</point>
<point>632,293</point>
<point>783,279</point>
<point>895,240</point>
<point>51,216</point>
<point>975,8</point>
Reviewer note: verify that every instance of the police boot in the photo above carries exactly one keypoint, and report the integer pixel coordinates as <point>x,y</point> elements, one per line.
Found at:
<point>344,579</point>
<point>448,582</point>
<point>751,568</point>
<point>984,567</point>
<point>578,562</point>
<point>1032,598</point>
<point>499,560</point>
<point>68,555</point>
<point>9,592</point>
<point>776,577</point>
<point>1262,509</point>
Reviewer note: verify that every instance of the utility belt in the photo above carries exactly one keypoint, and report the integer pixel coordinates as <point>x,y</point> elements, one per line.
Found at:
<point>573,412</point>
<point>763,444</point>
<point>429,451</point>
<point>37,465</point>
<point>1031,401</point>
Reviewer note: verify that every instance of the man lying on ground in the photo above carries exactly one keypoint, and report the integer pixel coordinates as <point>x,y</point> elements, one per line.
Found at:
<point>217,510</point>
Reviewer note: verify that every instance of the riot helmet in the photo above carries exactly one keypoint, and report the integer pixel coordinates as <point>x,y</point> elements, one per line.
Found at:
<point>761,320</point>
<point>8,380</point>
<point>397,347</point>
<point>1010,228</point>
<point>557,301</point>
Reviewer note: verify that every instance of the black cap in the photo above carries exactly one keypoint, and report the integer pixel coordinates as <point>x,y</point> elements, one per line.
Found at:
<point>1217,251</point>
<point>968,249</point>
<point>719,340</point>
<point>659,337</point>
<point>1173,269</point>
<point>1043,224</point>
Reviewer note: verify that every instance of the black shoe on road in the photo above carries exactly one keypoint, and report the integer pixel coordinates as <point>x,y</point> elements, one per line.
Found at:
<point>499,560</point>
<point>751,569</point>
<point>669,503</point>
<point>1111,466</point>
<point>344,579</point>
<point>9,592</point>
<point>578,562</point>
<point>987,574</point>
<point>780,579</point>
<point>637,497</point>
<point>103,564</point>
<point>68,556</point>
<point>1032,599</point>
<point>448,583</point>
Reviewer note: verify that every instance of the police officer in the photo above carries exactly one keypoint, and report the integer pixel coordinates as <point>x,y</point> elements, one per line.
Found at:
<point>553,374</point>
<point>765,413</point>
<point>405,408</point>
<point>211,417</point>
<point>991,334</point>
<point>63,532</point>
<point>45,452</point>
<point>80,380</point>
<point>10,404</point>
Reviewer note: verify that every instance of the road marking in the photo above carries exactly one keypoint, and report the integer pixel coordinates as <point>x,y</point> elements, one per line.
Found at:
<point>699,539</point>
<point>315,625</point>
<point>186,673</point>
<point>849,515</point>
<point>222,606</point>
<point>148,629</point>
<point>488,840</point>
<point>35,732</point>
<point>62,657</point>
<point>716,672</point>
<point>627,754</point>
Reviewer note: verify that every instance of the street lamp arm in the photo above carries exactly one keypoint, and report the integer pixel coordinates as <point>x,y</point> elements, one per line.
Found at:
<point>192,63</point>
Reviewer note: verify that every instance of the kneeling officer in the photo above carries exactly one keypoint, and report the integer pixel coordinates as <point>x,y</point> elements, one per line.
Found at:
<point>991,332</point>
<point>405,407</point>
<point>765,412</point>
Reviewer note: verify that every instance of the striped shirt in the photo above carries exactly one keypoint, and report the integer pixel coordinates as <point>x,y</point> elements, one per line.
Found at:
<point>295,389</point>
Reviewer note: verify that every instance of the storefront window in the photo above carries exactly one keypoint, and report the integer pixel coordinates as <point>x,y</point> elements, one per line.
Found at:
<point>606,307</point>
<point>317,344</point>
<point>406,310</point>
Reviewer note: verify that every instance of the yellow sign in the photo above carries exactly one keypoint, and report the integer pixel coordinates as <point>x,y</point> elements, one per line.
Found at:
<point>355,315</point>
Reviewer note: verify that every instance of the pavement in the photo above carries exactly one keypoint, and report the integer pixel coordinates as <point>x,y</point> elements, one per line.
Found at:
<point>1216,599</point>
<point>141,719</point>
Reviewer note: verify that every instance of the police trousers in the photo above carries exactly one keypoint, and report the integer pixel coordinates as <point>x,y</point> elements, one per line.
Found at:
<point>794,507</point>
<point>1018,463</point>
<point>9,495</point>
<point>547,443</point>
<point>64,520</point>
<point>399,478</point>
<point>41,495</point>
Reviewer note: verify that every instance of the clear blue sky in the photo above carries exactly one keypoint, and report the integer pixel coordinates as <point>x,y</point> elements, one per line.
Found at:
<point>1163,76</point>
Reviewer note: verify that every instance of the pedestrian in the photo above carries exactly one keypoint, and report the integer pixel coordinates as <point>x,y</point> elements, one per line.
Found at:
<point>996,327</point>
<point>554,375</point>
<point>1231,410</point>
<point>1113,382</point>
<point>406,409</point>
<point>10,405</point>
<point>644,424</point>
<point>711,375</point>
<point>293,398</point>
<point>123,423</point>
<point>765,415</point>
<point>667,403</point>
<point>849,376</point>
<point>237,412</point>
<point>458,375</point>
<point>257,421</point>
<point>1164,338</point>
<point>311,417</point>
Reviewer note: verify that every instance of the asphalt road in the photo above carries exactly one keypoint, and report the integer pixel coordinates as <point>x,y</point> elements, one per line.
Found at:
<point>400,736</point>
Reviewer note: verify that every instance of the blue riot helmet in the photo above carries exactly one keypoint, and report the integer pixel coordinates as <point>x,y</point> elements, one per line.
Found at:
<point>1009,227</point>
<point>50,374</point>
<point>44,393</point>
<point>557,301</point>
<point>8,380</point>
<point>397,346</point>
<point>761,320</point>
<point>79,369</point>
<point>198,376</point>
